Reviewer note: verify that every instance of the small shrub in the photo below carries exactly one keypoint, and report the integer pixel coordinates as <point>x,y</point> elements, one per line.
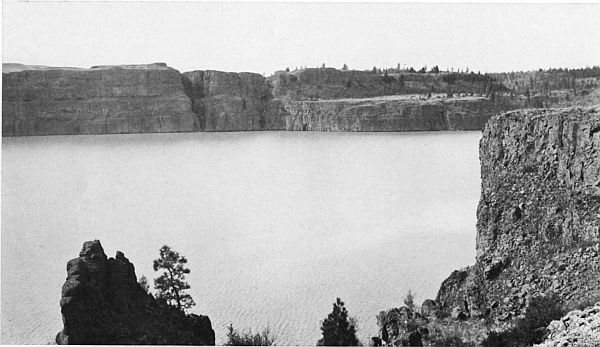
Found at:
<point>409,300</point>
<point>246,338</point>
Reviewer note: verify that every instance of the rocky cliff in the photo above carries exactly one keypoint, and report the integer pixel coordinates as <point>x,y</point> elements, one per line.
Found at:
<point>100,100</point>
<point>40,100</point>
<point>538,219</point>
<point>228,101</point>
<point>102,303</point>
<point>538,238</point>
<point>390,113</point>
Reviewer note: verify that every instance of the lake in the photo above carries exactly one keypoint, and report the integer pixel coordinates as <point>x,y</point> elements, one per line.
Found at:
<point>275,225</point>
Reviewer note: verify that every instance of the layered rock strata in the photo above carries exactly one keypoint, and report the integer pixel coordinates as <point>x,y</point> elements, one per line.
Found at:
<point>538,219</point>
<point>99,100</point>
<point>102,303</point>
<point>228,101</point>
<point>390,113</point>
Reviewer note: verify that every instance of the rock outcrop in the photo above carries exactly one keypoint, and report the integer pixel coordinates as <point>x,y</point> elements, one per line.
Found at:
<point>100,100</point>
<point>578,328</point>
<point>538,219</point>
<point>102,303</point>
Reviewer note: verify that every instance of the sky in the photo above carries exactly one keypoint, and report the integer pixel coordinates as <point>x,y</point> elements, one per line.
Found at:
<point>266,37</point>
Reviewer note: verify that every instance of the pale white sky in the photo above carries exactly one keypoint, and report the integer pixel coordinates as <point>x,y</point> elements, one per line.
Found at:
<point>265,37</point>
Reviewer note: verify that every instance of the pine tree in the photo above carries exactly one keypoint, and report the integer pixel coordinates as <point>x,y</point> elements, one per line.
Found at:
<point>171,284</point>
<point>338,329</point>
<point>345,67</point>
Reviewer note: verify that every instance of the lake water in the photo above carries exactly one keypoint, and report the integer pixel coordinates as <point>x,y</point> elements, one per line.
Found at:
<point>275,225</point>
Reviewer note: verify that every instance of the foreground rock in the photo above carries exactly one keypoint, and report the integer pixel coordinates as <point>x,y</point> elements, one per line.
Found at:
<point>102,303</point>
<point>580,328</point>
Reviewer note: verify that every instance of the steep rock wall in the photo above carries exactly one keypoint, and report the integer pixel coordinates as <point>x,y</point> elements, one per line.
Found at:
<point>99,100</point>
<point>391,113</point>
<point>538,228</point>
<point>102,303</point>
<point>228,101</point>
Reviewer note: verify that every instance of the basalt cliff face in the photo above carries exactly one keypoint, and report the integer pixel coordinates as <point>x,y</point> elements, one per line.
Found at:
<point>40,100</point>
<point>228,101</point>
<point>390,113</point>
<point>102,303</point>
<point>538,219</point>
<point>99,100</point>
<point>538,236</point>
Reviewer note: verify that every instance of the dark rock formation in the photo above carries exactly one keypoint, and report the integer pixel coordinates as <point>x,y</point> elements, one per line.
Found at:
<point>538,228</point>
<point>102,303</point>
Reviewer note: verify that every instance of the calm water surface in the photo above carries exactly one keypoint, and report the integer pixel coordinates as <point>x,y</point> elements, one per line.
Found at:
<point>275,225</point>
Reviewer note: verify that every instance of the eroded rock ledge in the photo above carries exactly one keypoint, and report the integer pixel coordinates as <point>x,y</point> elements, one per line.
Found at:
<point>102,303</point>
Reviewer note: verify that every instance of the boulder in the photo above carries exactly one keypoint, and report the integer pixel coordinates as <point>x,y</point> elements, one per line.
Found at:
<point>429,308</point>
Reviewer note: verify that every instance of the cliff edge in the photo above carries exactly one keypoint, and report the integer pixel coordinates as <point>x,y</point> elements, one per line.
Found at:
<point>102,303</point>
